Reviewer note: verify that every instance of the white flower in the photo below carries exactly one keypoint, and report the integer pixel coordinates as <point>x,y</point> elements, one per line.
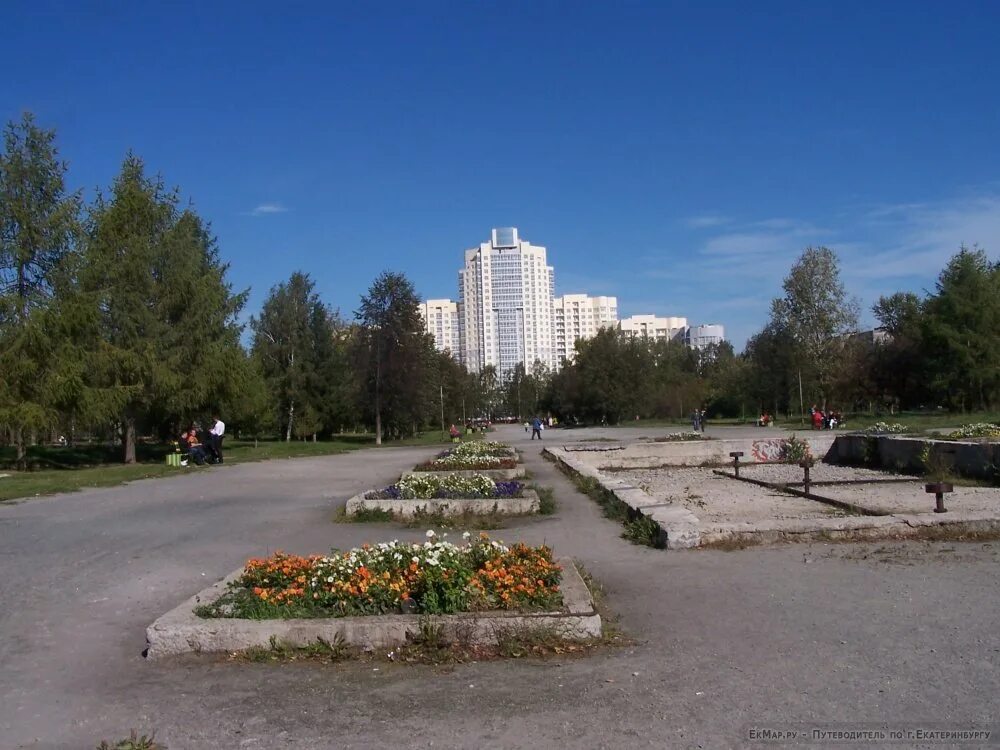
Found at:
<point>466,535</point>
<point>430,533</point>
<point>330,579</point>
<point>414,559</point>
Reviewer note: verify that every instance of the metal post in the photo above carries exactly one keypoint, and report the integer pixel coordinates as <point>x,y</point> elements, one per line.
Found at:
<point>736,462</point>
<point>939,489</point>
<point>805,479</point>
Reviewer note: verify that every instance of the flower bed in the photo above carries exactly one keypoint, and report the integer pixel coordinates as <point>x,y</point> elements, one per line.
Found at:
<point>886,428</point>
<point>431,486</point>
<point>451,462</point>
<point>980,429</point>
<point>436,577</point>
<point>481,455</point>
<point>483,448</point>
<point>680,437</point>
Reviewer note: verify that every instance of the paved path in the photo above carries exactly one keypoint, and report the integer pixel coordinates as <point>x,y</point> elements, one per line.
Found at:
<point>803,633</point>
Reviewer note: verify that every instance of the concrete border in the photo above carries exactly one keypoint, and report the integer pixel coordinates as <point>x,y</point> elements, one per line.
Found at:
<point>848,528</point>
<point>498,475</point>
<point>180,631</point>
<point>452,506</point>
<point>682,529</point>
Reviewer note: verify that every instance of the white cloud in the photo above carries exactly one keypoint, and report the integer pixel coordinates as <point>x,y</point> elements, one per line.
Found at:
<point>706,221</point>
<point>268,208</point>
<point>881,250</point>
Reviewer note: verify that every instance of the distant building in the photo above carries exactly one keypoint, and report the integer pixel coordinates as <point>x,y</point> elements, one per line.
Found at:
<point>652,327</point>
<point>698,337</point>
<point>578,316</point>
<point>441,321</point>
<point>505,294</point>
<point>874,337</point>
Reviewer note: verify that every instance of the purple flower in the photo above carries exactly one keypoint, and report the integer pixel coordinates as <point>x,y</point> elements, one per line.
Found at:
<point>509,489</point>
<point>386,493</point>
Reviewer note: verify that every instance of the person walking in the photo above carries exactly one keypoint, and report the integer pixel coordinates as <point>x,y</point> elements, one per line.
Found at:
<point>696,420</point>
<point>536,428</point>
<point>215,436</point>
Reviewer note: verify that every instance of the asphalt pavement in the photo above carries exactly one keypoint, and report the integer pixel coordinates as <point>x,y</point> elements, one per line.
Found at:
<point>898,635</point>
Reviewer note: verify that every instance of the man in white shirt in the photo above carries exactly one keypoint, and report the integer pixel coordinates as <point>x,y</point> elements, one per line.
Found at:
<point>215,439</point>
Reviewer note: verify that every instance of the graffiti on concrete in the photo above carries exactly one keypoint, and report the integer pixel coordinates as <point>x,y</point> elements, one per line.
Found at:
<point>768,451</point>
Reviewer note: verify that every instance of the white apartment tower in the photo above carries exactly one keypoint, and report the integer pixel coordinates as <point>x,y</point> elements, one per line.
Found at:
<point>652,327</point>
<point>505,295</point>
<point>441,321</point>
<point>579,316</point>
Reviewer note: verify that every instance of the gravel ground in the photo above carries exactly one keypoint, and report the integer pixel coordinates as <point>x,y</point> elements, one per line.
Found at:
<point>891,497</point>
<point>716,499</point>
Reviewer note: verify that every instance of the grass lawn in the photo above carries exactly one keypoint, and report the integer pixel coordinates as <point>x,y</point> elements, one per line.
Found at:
<point>57,469</point>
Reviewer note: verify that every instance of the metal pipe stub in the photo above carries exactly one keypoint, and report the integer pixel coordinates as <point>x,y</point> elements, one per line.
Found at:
<point>806,464</point>
<point>736,455</point>
<point>939,489</point>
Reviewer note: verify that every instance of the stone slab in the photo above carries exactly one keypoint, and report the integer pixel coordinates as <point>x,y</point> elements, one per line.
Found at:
<point>644,454</point>
<point>452,506</point>
<point>180,631</point>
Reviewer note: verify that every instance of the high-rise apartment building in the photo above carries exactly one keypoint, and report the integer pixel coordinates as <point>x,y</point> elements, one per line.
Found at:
<point>698,337</point>
<point>505,294</point>
<point>652,327</point>
<point>441,321</point>
<point>579,316</point>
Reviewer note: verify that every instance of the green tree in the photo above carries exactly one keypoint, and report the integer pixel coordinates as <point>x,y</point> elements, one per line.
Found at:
<point>961,331</point>
<point>817,315</point>
<point>119,287</point>
<point>152,312</point>
<point>291,337</point>
<point>897,368</point>
<point>396,358</point>
<point>39,225</point>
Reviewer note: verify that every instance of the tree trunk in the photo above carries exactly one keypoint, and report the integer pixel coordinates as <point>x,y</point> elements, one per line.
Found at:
<point>18,437</point>
<point>291,416</point>
<point>378,395</point>
<point>128,439</point>
<point>314,437</point>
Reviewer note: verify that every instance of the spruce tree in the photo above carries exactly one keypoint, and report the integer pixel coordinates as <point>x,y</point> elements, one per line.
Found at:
<point>39,225</point>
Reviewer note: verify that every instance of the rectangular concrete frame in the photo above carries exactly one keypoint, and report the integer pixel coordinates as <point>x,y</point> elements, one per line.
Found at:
<point>180,631</point>
<point>497,475</point>
<point>452,506</point>
<point>683,529</point>
<point>904,454</point>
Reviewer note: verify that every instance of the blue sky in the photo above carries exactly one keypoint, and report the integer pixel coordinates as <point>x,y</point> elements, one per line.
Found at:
<point>677,155</point>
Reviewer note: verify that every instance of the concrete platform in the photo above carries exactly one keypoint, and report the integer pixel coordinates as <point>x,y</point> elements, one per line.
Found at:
<point>180,631</point>
<point>694,506</point>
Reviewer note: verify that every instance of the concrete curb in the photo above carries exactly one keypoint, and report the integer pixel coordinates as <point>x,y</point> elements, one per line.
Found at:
<point>871,528</point>
<point>499,475</point>
<point>452,506</point>
<point>680,527</point>
<point>180,631</point>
